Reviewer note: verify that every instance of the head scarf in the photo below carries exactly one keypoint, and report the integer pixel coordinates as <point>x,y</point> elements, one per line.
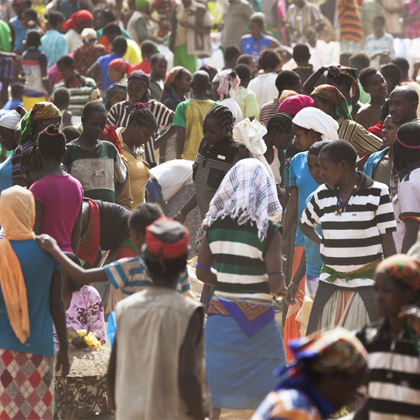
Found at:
<point>40,111</point>
<point>113,89</point>
<point>168,90</point>
<point>319,121</point>
<point>110,134</point>
<point>88,34</point>
<point>10,120</point>
<point>140,75</point>
<point>121,65</point>
<point>401,267</point>
<point>228,82</point>
<point>17,217</point>
<point>141,4</point>
<point>351,73</point>
<point>331,93</point>
<point>294,104</point>
<point>76,18</point>
<point>246,194</point>
<point>322,352</point>
<point>287,94</point>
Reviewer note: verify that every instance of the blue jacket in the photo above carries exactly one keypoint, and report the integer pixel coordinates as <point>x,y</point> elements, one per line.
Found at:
<point>373,162</point>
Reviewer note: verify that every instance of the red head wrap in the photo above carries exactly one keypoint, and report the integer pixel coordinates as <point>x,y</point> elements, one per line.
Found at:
<point>76,18</point>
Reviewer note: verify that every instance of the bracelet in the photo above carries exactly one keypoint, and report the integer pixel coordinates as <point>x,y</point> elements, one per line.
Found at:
<point>275,272</point>
<point>203,266</point>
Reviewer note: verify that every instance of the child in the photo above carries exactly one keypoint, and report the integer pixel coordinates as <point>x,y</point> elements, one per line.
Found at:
<point>302,55</point>
<point>95,163</point>
<point>34,71</point>
<point>148,48</point>
<point>114,94</point>
<point>187,115</point>
<point>245,98</point>
<point>141,126</point>
<point>118,70</point>
<point>61,99</point>
<point>53,43</point>
<point>58,196</point>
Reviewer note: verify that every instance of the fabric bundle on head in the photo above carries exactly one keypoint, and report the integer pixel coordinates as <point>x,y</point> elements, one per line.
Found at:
<point>88,34</point>
<point>287,94</point>
<point>228,82</point>
<point>10,120</point>
<point>121,65</point>
<point>293,104</point>
<point>246,194</point>
<point>351,73</point>
<point>319,121</point>
<point>401,267</point>
<point>331,93</point>
<point>76,18</point>
<point>17,217</point>
<point>40,111</point>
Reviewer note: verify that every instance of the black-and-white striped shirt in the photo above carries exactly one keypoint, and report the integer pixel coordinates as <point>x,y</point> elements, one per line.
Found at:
<point>119,114</point>
<point>352,239</point>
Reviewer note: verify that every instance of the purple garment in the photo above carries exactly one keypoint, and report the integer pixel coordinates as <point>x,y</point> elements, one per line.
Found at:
<point>61,198</point>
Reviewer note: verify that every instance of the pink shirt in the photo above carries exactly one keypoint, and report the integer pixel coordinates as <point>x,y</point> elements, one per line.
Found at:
<point>61,198</point>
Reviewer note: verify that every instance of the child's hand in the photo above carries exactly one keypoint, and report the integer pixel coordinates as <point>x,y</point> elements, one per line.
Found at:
<point>47,243</point>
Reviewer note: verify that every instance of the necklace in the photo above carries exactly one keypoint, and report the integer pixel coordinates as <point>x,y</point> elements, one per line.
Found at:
<point>340,206</point>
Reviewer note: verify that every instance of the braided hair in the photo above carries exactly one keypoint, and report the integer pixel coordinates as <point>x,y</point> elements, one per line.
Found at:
<point>142,116</point>
<point>280,122</point>
<point>223,115</point>
<point>51,143</point>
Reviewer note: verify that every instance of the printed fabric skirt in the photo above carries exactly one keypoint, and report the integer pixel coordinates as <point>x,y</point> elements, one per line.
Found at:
<point>27,386</point>
<point>240,368</point>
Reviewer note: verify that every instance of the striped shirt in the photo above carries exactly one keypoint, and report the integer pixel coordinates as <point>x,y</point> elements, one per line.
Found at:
<point>130,275</point>
<point>394,373</point>
<point>352,239</point>
<point>119,114</point>
<point>82,90</point>
<point>269,110</point>
<point>239,260</point>
<point>300,18</point>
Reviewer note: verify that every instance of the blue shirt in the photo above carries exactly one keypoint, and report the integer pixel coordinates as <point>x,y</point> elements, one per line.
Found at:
<point>313,255</point>
<point>37,268</point>
<point>104,63</point>
<point>54,46</point>
<point>251,46</point>
<point>6,174</point>
<point>373,161</point>
<point>301,178</point>
<point>19,31</point>
<point>11,104</point>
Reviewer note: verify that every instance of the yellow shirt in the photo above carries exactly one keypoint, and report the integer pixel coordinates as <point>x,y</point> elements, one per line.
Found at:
<point>133,54</point>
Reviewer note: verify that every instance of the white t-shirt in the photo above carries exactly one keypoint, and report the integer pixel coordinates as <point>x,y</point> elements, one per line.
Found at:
<point>234,108</point>
<point>264,87</point>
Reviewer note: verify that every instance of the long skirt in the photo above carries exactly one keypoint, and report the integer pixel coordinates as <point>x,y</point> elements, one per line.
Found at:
<point>351,308</point>
<point>240,368</point>
<point>27,386</point>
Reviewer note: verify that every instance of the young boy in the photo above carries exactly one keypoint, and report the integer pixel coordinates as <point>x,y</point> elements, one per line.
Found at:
<point>61,99</point>
<point>246,99</point>
<point>17,98</point>
<point>53,43</point>
<point>148,48</point>
<point>301,55</point>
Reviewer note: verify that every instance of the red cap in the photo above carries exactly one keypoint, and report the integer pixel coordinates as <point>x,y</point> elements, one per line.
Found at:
<point>167,239</point>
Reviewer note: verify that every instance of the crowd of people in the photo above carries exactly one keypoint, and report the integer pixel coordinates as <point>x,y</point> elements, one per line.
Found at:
<point>210,206</point>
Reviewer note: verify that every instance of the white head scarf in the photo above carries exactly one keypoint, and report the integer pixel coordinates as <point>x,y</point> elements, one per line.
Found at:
<point>317,120</point>
<point>246,194</point>
<point>10,120</point>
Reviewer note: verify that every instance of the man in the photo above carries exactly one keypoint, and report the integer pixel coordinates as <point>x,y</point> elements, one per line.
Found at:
<point>236,15</point>
<point>373,83</point>
<point>82,89</point>
<point>159,65</point>
<point>403,103</point>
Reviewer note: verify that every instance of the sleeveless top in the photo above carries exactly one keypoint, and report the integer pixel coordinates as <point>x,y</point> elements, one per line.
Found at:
<point>254,47</point>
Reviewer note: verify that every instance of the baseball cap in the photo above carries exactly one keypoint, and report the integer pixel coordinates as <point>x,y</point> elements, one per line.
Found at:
<point>166,239</point>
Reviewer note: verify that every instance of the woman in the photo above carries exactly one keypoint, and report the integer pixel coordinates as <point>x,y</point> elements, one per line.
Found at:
<point>243,340</point>
<point>177,86</point>
<point>118,70</point>
<point>30,297</point>
<point>328,367</point>
<point>74,26</point>
<point>357,222</point>
<point>393,342</point>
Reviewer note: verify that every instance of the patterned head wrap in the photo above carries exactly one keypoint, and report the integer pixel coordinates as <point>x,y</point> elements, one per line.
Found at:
<point>293,104</point>
<point>140,75</point>
<point>172,75</point>
<point>246,194</point>
<point>228,82</point>
<point>331,93</point>
<point>121,65</point>
<point>76,18</point>
<point>403,268</point>
<point>351,73</point>
<point>40,111</point>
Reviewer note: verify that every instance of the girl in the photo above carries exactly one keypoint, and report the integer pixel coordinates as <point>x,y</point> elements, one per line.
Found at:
<point>177,86</point>
<point>95,163</point>
<point>243,340</point>
<point>357,221</point>
<point>118,71</point>
<point>141,127</point>
<point>30,302</point>
<point>58,196</point>
<point>393,342</point>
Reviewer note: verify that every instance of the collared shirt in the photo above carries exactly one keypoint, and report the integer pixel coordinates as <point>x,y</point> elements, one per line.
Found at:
<point>54,46</point>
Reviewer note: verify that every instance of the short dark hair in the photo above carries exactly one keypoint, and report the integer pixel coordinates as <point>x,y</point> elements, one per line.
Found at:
<point>301,52</point>
<point>33,38</point>
<point>409,134</point>
<point>51,143</point>
<point>17,90</point>
<point>380,19</point>
<point>245,59</point>
<point>360,60</point>
<point>144,215</point>
<point>243,71</point>
<point>119,45</point>
<point>66,61</point>
<point>61,98</point>
<point>112,28</point>
<point>31,14</point>
<point>402,64</point>
<point>156,57</point>
<point>258,19</point>
<point>268,59</point>
<point>392,71</point>
<point>71,133</point>
<point>107,13</point>
<point>286,78</point>
<point>172,267</point>
<point>340,150</point>
<point>93,106</point>
<point>365,74</point>
<point>54,18</point>
<point>317,147</point>
<point>231,53</point>
<point>148,48</point>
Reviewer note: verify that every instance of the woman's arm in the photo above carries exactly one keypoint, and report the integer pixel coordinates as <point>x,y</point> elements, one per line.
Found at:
<point>58,316</point>
<point>310,83</point>
<point>274,264</point>
<point>75,235</point>
<point>39,214</point>
<point>297,278</point>
<point>188,207</point>
<point>311,233</point>
<point>204,262</point>
<point>291,211</point>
